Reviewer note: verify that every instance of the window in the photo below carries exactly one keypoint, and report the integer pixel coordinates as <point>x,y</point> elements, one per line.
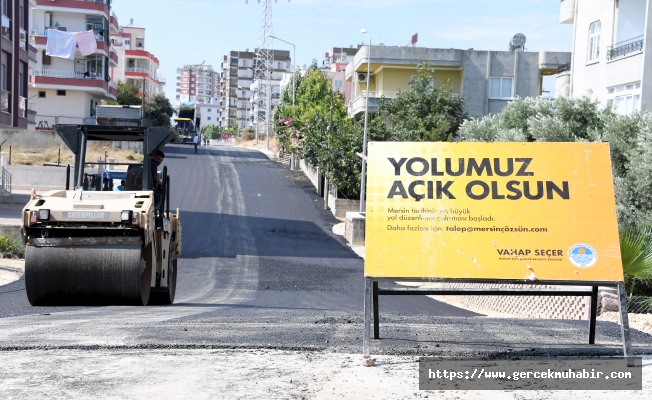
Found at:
<point>501,88</point>
<point>127,42</point>
<point>184,85</point>
<point>338,84</point>
<point>594,41</point>
<point>184,79</point>
<point>209,118</point>
<point>61,92</point>
<point>234,61</point>
<point>21,77</point>
<point>96,24</point>
<point>625,99</point>
<point>184,91</point>
<point>41,95</point>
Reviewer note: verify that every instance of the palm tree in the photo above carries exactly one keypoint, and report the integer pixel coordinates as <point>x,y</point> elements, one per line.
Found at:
<point>636,255</point>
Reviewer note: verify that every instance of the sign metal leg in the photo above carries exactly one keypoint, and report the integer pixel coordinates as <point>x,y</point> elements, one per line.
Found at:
<point>376,314</point>
<point>624,322</point>
<point>367,318</point>
<point>593,314</point>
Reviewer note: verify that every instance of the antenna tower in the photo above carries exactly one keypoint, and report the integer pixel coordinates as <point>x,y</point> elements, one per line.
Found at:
<point>263,62</point>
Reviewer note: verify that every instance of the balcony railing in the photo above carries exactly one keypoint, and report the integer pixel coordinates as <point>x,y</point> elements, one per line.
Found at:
<point>5,101</point>
<point>36,32</point>
<point>23,39</point>
<point>22,107</point>
<point>625,47</point>
<point>51,73</point>
<point>139,70</point>
<point>6,27</point>
<point>564,68</point>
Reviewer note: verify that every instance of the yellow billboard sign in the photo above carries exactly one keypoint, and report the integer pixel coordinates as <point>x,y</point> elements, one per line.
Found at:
<point>511,211</point>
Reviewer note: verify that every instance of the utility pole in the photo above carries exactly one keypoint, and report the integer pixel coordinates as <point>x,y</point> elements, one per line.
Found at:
<point>328,146</point>
<point>264,60</point>
<point>142,109</point>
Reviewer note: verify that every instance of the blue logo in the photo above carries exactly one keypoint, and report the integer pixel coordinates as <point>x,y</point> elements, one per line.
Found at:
<point>582,255</point>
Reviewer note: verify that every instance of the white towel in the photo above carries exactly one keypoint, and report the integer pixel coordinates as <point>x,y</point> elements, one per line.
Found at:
<point>87,42</point>
<point>61,44</point>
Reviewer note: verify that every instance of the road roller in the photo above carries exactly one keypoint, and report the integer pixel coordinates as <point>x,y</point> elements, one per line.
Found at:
<point>91,247</point>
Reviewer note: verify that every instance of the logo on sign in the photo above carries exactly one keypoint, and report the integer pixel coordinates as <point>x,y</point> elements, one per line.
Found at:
<point>582,255</point>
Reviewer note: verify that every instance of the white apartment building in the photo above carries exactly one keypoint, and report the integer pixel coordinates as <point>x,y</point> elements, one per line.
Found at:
<point>67,91</point>
<point>240,92</point>
<point>136,65</point>
<point>207,114</point>
<point>610,53</point>
<point>197,84</point>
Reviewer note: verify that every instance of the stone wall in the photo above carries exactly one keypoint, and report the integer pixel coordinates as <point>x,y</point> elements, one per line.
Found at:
<point>542,307</point>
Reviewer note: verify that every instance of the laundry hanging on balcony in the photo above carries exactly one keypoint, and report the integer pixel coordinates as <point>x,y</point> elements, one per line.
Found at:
<point>87,42</point>
<point>61,44</point>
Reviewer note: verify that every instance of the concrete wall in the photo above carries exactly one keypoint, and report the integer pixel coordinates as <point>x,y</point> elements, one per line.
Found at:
<point>30,139</point>
<point>28,176</point>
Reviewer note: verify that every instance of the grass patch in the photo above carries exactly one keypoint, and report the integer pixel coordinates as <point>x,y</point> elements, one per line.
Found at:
<point>11,248</point>
<point>54,154</point>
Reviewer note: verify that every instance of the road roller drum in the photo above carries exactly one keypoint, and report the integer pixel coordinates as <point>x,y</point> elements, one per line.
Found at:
<point>101,247</point>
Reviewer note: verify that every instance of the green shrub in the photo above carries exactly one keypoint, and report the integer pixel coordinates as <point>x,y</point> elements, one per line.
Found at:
<point>10,247</point>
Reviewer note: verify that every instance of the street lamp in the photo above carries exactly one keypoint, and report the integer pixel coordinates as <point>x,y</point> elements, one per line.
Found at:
<point>366,120</point>
<point>294,86</point>
<point>294,67</point>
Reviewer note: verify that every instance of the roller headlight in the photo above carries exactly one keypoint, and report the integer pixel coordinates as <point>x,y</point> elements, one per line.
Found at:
<point>125,216</point>
<point>43,215</point>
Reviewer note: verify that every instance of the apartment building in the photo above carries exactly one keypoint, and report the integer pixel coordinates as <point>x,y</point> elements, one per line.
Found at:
<point>610,53</point>
<point>136,65</point>
<point>240,93</point>
<point>237,78</point>
<point>15,64</point>
<point>207,114</point>
<point>334,67</point>
<point>197,84</point>
<point>68,91</point>
<point>487,80</point>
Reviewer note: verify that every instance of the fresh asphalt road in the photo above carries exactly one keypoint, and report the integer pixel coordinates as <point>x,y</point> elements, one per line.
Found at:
<point>261,268</point>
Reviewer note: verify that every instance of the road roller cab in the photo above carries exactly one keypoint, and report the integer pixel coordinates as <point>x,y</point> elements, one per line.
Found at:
<point>87,247</point>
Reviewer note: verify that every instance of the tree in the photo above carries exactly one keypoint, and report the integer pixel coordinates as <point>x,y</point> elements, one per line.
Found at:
<point>159,110</point>
<point>127,95</point>
<point>425,112</point>
<point>211,131</point>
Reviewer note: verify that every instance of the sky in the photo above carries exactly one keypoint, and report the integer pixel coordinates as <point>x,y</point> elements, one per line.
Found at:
<point>181,32</point>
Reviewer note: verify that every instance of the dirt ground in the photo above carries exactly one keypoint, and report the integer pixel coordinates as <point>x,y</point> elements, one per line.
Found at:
<point>239,374</point>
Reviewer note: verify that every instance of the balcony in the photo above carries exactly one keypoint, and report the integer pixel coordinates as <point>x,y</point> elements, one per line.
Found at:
<point>624,48</point>
<point>50,73</point>
<point>5,101</point>
<point>71,80</point>
<point>114,56</point>
<point>138,72</point>
<point>113,21</point>
<point>6,27</point>
<point>88,6</point>
<point>564,68</point>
